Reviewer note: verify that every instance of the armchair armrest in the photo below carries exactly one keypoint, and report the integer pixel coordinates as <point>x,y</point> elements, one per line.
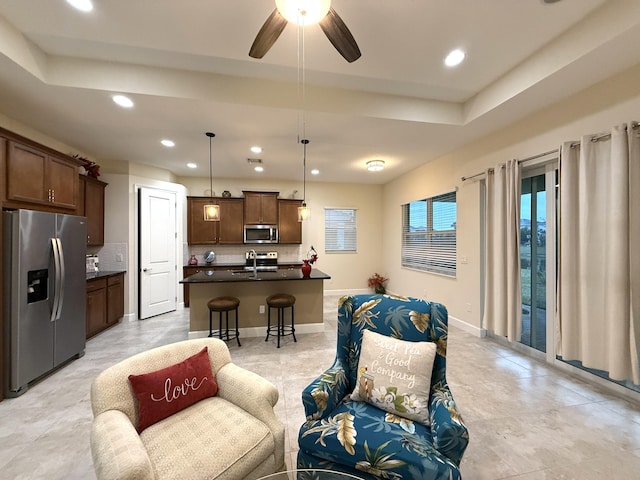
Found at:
<point>450,435</point>
<point>322,395</point>
<point>116,448</point>
<point>254,394</point>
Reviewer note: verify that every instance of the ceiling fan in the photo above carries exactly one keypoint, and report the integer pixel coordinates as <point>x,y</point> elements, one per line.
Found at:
<point>306,12</point>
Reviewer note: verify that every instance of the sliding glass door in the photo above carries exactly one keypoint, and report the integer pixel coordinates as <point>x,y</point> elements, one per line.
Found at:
<point>537,250</point>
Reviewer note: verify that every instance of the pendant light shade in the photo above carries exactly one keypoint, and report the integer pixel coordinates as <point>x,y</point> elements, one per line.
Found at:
<point>303,211</point>
<point>211,210</point>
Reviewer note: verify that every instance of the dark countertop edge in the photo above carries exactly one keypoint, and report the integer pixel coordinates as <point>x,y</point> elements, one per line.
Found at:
<point>104,274</point>
<point>222,276</point>
<point>240,265</point>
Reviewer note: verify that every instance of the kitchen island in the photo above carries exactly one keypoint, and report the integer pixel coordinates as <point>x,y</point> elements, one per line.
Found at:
<point>253,290</point>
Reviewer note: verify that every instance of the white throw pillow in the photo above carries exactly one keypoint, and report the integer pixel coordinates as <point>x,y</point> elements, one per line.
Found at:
<point>395,375</point>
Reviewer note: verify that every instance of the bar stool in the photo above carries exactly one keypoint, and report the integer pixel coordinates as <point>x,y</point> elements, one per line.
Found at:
<point>281,301</point>
<point>223,304</point>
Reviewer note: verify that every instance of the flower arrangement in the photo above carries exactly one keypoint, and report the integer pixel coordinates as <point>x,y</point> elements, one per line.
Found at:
<point>312,255</point>
<point>377,281</point>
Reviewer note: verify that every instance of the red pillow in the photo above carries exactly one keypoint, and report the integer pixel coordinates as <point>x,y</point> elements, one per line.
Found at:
<point>164,392</point>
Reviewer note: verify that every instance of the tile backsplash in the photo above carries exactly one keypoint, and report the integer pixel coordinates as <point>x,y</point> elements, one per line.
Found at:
<point>235,254</point>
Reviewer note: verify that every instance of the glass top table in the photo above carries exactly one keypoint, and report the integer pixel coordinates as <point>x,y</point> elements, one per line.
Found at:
<point>310,474</point>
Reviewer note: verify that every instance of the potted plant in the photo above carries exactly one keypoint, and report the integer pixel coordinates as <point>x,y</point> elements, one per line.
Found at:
<point>377,281</point>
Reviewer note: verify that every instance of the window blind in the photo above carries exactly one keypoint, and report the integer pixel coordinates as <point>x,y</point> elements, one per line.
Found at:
<point>340,233</point>
<point>429,234</point>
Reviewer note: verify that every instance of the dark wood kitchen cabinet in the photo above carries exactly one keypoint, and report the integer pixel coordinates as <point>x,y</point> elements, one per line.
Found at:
<point>289,228</point>
<point>105,302</point>
<point>91,205</point>
<point>36,176</point>
<point>260,208</point>
<point>228,231</point>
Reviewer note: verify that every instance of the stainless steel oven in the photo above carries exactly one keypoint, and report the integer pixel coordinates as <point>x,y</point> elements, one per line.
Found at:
<point>260,234</point>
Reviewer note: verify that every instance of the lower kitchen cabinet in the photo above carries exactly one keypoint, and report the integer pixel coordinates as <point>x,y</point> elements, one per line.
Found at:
<point>105,302</point>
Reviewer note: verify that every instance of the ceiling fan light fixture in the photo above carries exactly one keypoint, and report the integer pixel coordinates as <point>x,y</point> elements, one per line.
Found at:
<point>82,5</point>
<point>303,12</point>
<point>375,165</point>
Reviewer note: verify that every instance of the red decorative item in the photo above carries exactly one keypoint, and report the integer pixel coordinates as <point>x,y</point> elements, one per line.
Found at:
<point>306,268</point>
<point>193,260</point>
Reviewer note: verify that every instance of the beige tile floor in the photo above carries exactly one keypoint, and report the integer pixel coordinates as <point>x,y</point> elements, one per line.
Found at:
<point>527,421</point>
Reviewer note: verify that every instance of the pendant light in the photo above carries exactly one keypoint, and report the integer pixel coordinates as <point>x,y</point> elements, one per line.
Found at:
<point>303,210</point>
<point>211,210</point>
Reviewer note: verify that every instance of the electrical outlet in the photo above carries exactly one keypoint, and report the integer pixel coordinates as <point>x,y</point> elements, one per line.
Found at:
<point>468,307</point>
<point>261,308</point>
<point>119,257</point>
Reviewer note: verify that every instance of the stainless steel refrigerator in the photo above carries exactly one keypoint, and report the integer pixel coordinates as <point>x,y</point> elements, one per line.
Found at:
<point>45,294</point>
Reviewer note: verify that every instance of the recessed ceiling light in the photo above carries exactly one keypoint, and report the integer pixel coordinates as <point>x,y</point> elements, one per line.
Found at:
<point>258,168</point>
<point>315,171</point>
<point>375,165</point>
<point>192,165</point>
<point>168,143</point>
<point>82,5</point>
<point>123,101</point>
<point>256,149</point>
<point>454,58</point>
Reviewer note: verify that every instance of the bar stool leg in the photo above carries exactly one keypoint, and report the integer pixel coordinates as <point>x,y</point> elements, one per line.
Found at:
<point>293,328</point>
<point>210,323</point>
<point>268,322</point>
<point>237,331</point>
<point>280,321</point>
<point>220,323</point>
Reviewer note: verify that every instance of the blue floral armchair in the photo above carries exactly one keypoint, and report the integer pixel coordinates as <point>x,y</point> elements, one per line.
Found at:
<point>358,438</point>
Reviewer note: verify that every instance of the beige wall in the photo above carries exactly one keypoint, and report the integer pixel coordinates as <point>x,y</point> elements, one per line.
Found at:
<point>594,110</point>
<point>348,271</point>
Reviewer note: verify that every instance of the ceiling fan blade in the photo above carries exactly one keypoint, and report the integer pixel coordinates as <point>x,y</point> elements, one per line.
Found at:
<point>340,36</point>
<point>268,34</point>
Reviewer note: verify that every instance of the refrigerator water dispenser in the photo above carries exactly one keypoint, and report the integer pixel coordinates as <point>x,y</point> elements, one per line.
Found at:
<point>37,285</point>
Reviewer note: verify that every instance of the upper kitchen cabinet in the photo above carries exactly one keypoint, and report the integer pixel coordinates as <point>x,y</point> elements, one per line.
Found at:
<point>91,205</point>
<point>228,231</point>
<point>260,208</point>
<point>39,178</point>
<point>289,228</point>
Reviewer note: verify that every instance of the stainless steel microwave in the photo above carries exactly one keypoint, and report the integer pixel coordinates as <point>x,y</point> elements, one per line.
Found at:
<point>260,234</point>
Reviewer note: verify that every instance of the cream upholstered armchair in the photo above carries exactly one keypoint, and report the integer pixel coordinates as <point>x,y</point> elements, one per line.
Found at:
<point>234,434</point>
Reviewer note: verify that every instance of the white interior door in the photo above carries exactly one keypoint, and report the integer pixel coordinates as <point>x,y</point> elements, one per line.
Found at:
<point>157,252</point>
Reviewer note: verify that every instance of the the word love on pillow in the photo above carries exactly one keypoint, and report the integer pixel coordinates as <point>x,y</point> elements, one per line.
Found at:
<point>164,392</point>
<point>395,375</point>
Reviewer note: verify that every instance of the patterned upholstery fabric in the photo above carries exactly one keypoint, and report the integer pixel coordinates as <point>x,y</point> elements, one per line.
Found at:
<point>233,435</point>
<point>358,438</point>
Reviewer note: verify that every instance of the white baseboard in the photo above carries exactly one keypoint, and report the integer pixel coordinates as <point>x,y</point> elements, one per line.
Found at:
<point>249,332</point>
<point>129,317</point>
<point>467,327</point>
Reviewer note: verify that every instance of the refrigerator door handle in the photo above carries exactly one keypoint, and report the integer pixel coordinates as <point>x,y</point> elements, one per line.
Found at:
<point>58,267</point>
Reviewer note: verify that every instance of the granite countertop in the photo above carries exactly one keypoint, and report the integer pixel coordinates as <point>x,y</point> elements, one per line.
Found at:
<point>217,276</point>
<point>240,265</point>
<point>103,274</point>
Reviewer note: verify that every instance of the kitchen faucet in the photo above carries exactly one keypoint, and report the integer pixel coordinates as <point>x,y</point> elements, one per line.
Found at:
<point>255,265</point>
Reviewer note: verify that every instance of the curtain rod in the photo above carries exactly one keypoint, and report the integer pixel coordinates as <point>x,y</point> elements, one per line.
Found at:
<point>595,138</point>
<point>527,159</point>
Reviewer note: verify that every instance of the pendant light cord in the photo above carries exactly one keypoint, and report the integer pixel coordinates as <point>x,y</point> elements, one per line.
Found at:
<point>210,135</point>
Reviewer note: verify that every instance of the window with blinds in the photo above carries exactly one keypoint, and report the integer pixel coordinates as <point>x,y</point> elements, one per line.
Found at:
<point>429,234</point>
<point>340,233</point>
